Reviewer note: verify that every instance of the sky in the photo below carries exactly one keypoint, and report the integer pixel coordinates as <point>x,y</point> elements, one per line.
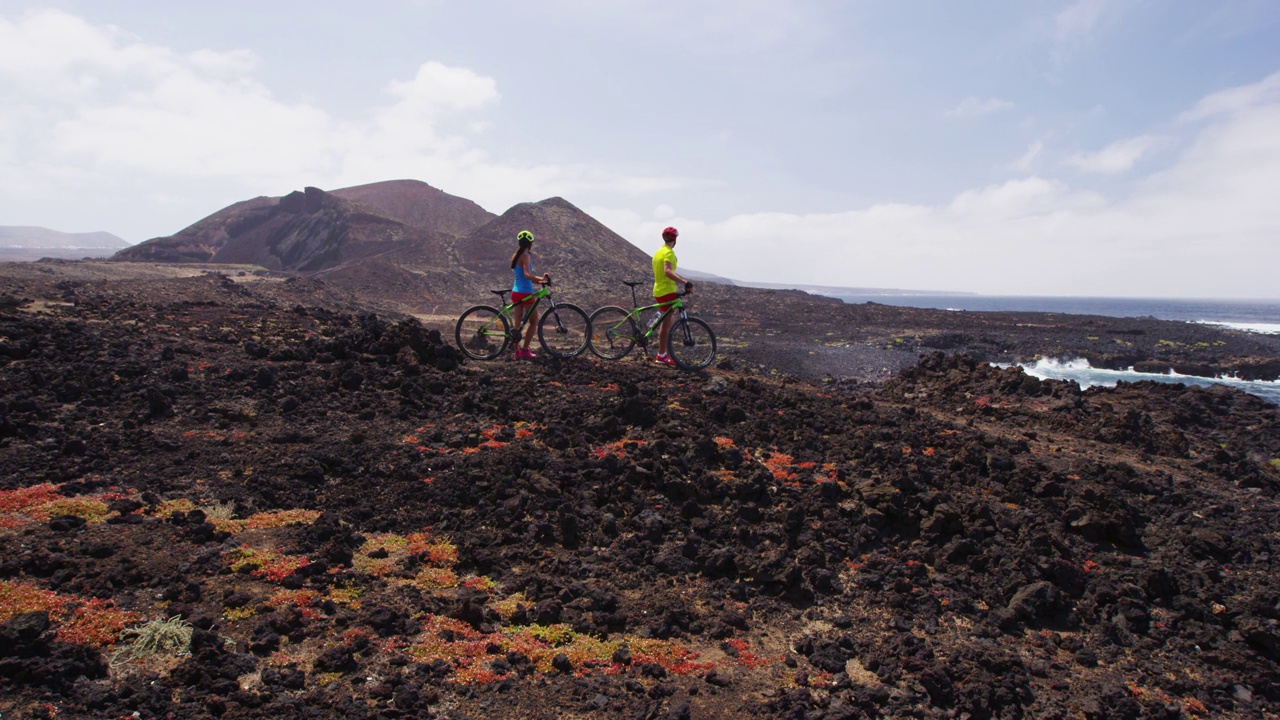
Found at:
<point>1120,148</point>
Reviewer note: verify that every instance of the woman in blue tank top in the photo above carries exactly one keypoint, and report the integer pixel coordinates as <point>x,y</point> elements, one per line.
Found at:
<point>522,289</point>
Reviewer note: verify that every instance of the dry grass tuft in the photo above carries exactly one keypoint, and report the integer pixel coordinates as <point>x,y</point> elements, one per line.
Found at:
<point>170,636</point>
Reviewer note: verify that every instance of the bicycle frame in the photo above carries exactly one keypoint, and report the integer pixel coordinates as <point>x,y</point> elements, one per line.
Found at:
<point>484,331</point>
<point>509,308</point>
<point>648,332</point>
<point>615,331</point>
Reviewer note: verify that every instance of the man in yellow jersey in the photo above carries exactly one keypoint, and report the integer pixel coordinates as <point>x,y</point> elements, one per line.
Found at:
<point>664,288</point>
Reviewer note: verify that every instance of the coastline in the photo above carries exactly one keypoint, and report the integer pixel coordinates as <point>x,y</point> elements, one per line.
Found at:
<point>1240,314</point>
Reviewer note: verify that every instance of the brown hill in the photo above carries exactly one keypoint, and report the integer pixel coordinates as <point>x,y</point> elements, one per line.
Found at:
<point>416,203</point>
<point>407,246</point>
<point>585,259</point>
<point>305,231</point>
<point>201,241</point>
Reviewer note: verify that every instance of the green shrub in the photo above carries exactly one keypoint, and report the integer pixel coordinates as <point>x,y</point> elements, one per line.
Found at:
<point>171,636</point>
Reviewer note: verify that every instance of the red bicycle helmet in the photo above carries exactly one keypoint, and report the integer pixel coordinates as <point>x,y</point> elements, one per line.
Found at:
<point>670,233</point>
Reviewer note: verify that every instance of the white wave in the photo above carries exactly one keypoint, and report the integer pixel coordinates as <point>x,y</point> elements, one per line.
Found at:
<point>1079,370</point>
<point>1261,328</point>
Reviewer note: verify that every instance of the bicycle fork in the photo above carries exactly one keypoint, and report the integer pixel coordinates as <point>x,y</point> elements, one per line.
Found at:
<point>687,340</point>
<point>555,311</point>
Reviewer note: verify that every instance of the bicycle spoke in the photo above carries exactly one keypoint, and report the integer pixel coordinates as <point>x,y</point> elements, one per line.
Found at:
<point>692,343</point>
<point>481,333</point>
<point>563,330</point>
<point>613,334</point>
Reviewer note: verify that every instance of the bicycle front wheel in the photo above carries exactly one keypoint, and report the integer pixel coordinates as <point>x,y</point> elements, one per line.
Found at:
<point>563,330</point>
<point>613,333</point>
<point>692,344</point>
<point>482,333</point>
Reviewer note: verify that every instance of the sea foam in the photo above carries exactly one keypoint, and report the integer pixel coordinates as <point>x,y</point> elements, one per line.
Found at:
<point>1079,370</point>
<point>1262,328</point>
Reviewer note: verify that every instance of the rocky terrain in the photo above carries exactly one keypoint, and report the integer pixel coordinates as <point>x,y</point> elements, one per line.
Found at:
<point>404,247</point>
<point>334,517</point>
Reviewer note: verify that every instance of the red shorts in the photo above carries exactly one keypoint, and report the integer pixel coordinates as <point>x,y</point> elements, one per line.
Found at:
<point>665,300</point>
<point>519,297</point>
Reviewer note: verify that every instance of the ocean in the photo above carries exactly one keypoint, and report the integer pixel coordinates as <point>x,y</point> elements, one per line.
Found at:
<point>1260,316</point>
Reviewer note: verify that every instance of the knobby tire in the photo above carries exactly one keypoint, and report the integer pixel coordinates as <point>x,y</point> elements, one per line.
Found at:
<point>482,333</point>
<point>613,333</point>
<point>564,330</point>
<point>692,344</point>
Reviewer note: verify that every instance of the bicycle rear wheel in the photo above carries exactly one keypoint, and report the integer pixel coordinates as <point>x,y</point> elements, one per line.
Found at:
<point>482,333</point>
<point>613,333</point>
<point>692,344</point>
<point>563,330</point>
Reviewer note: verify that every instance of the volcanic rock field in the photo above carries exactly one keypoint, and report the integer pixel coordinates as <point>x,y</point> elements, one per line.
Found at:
<point>235,500</point>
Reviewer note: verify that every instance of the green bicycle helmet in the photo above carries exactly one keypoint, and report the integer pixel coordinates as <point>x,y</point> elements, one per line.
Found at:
<point>524,236</point>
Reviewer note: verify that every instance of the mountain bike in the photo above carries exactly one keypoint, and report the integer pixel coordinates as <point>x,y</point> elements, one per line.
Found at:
<point>615,331</point>
<point>483,331</point>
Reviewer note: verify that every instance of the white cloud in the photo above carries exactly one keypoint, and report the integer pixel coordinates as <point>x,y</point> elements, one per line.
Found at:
<point>1204,227</point>
<point>100,105</point>
<point>189,126</point>
<point>1025,162</point>
<point>45,53</point>
<point>1017,199</point>
<point>1115,158</point>
<point>976,107</point>
<point>1236,99</point>
<point>437,88</point>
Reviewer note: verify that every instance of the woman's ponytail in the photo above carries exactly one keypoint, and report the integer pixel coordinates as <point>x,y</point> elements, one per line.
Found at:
<point>525,239</point>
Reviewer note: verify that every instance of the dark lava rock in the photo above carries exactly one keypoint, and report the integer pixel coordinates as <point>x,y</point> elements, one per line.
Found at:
<point>1038,602</point>
<point>339,659</point>
<point>22,630</point>
<point>65,523</point>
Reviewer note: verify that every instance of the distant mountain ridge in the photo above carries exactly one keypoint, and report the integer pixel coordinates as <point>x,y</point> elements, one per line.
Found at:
<point>410,247</point>
<point>404,242</point>
<point>21,242</point>
<point>313,230</point>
